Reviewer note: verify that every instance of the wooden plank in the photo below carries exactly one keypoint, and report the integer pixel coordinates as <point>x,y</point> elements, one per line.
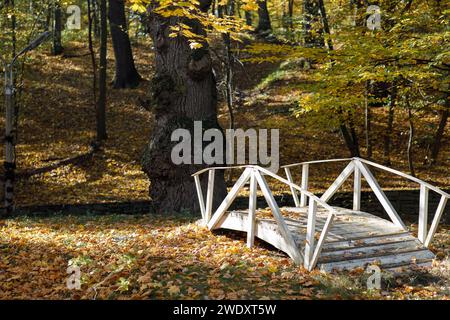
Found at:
<point>370,251</point>
<point>293,191</point>
<point>376,240</point>
<point>436,219</point>
<point>201,202</point>
<point>357,189</point>
<point>338,182</point>
<point>423,214</point>
<point>395,267</point>
<point>305,178</point>
<point>209,195</point>
<point>229,198</point>
<point>321,241</point>
<point>405,257</point>
<point>291,248</point>
<point>380,195</point>
<point>251,211</point>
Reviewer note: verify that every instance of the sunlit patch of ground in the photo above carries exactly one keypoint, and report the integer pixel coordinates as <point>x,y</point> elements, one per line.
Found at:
<point>167,257</point>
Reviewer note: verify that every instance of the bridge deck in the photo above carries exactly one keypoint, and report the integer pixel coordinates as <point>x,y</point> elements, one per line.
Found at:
<point>355,239</point>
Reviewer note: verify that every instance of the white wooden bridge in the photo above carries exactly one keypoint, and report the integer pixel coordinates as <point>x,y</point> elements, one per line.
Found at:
<point>314,233</point>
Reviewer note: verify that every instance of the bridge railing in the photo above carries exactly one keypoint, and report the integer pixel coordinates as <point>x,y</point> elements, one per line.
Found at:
<point>256,175</point>
<point>360,167</point>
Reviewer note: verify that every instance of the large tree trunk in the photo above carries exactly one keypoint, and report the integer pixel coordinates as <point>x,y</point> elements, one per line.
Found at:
<point>183,91</point>
<point>126,73</point>
<point>264,25</point>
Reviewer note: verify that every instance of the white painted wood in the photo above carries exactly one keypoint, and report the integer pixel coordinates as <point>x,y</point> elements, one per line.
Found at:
<point>348,170</point>
<point>310,231</point>
<point>376,240</point>
<point>406,257</point>
<point>321,241</point>
<point>291,249</point>
<point>380,195</point>
<point>404,175</point>
<point>201,202</point>
<point>357,189</point>
<point>305,178</point>
<point>293,191</point>
<point>370,251</point>
<point>251,211</point>
<point>309,194</point>
<point>229,198</point>
<point>209,195</point>
<point>315,162</point>
<point>436,219</point>
<point>423,214</point>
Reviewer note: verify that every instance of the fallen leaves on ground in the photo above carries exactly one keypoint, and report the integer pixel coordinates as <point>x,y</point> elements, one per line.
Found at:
<point>171,257</point>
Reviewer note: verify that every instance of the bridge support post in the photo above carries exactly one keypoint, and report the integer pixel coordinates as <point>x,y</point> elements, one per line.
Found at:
<point>293,191</point>
<point>251,211</point>
<point>423,214</point>
<point>310,233</point>
<point>305,176</point>
<point>357,190</point>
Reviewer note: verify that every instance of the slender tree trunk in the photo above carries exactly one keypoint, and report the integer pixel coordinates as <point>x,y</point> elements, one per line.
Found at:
<point>183,91</point>
<point>96,18</point>
<point>101,104</point>
<point>390,125</point>
<point>437,141</point>
<point>57,29</point>
<point>410,140</point>
<point>126,73</point>
<point>92,53</point>
<point>352,145</point>
<point>368,125</point>
<point>264,25</point>
<point>291,14</point>
<point>229,74</point>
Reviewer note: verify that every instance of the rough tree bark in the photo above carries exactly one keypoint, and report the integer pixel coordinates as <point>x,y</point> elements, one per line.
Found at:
<point>126,73</point>
<point>264,25</point>
<point>183,91</point>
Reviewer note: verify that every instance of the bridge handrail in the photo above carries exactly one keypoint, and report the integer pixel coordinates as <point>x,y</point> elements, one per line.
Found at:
<point>275,176</point>
<point>377,165</point>
<point>359,165</point>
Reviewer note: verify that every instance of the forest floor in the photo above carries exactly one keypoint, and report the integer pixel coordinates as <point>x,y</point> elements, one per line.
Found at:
<point>171,257</point>
<point>146,256</point>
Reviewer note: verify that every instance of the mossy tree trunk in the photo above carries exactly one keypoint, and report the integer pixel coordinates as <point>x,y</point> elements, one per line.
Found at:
<point>183,91</point>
